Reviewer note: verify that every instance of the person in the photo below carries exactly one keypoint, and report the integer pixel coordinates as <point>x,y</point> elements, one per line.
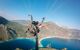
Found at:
<point>35,28</point>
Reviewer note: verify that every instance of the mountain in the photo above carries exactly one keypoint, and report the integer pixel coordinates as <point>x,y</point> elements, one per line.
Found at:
<point>20,21</point>
<point>12,24</point>
<point>75,33</point>
<point>3,20</point>
<point>4,23</point>
<point>48,29</point>
<point>52,29</point>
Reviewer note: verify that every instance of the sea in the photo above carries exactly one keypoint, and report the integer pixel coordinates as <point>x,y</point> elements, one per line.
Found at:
<point>27,44</point>
<point>59,43</point>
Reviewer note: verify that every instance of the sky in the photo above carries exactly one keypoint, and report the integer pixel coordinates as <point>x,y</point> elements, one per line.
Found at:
<point>65,13</point>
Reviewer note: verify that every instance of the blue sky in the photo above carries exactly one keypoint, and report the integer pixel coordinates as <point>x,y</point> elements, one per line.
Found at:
<point>62,12</point>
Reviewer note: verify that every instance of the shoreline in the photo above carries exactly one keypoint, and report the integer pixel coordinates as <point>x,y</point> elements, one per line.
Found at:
<point>68,38</point>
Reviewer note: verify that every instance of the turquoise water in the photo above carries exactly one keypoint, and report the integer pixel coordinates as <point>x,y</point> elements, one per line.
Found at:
<point>25,44</point>
<point>70,44</point>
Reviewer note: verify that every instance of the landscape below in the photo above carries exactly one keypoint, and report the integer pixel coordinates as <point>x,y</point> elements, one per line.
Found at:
<point>50,34</point>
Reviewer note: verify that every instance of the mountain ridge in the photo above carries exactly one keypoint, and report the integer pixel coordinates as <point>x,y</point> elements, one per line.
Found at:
<point>55,30</point>
<point>48,29</point>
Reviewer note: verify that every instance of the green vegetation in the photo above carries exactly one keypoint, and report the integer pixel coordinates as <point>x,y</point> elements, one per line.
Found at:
<point>17,27</point>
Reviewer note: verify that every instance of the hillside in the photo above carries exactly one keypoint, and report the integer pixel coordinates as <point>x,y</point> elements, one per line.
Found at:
<point>4,23</point>
<point>52,29</point>
<point>3,20</point>
<point>49,29</point>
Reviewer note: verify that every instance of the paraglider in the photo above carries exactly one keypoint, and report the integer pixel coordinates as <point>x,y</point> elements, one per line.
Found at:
<point>34,29</point>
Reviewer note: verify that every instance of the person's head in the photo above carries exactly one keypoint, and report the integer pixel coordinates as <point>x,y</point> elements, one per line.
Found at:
<point>35,22</point>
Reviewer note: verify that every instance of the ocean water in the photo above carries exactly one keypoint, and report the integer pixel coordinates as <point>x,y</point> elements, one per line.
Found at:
<point>25,44</point>
<point>58,43</point>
